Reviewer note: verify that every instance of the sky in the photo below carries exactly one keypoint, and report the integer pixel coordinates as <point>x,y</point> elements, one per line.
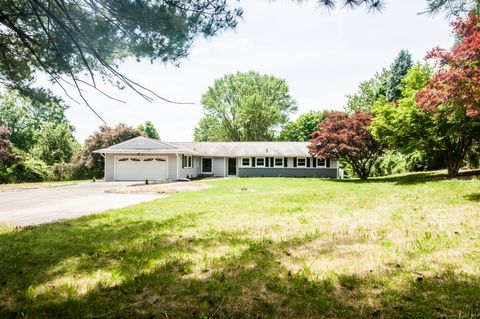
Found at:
<point>322,55</point>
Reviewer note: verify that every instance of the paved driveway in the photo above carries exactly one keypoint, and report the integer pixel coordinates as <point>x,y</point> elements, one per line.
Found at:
<point>36,206</point>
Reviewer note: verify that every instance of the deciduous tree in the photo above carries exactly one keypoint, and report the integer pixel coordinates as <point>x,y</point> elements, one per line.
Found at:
<point>149,130</point>
<point>302,128</point>
<point>245,107</point>
<point>452,96</point>
<point>24,116</point>
<point>55,143</point>
<point>346,136</point>
<point>7,156</point>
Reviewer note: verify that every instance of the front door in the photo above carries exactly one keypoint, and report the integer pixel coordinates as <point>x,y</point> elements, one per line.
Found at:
<point>232,166</point>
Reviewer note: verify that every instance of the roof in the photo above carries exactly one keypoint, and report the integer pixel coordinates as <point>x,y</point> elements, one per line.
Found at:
<point>238,149</point>
<point>235,149</point>
<point>143,144</point>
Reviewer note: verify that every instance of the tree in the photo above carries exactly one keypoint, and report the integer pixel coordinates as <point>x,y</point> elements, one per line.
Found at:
<point>64,38</point>
<point>7,156</point>
<point>402,63</point>
<point>453,8</point>
<point>302,128</point>
<point>209,129</point>
<point>245,107</point>
<point>369,92</point>
<point>149,130</point>
<point>346,136</point>
<point>89,164</point>
<point>402,125</point>
<point>55,143</point>
<point>24,116</point>
<point>452,97</point>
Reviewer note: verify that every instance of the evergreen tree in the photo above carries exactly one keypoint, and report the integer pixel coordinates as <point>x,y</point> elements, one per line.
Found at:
<point>400,67</point>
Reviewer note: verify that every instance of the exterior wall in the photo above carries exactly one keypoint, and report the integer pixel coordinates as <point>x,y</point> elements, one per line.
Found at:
<point>109,167</point>
<point>287,172</point>
<point>191,172</point>
<point>219,168</point>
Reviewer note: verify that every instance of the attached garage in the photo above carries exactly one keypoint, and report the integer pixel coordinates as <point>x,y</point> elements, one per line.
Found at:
<point>139,168</point>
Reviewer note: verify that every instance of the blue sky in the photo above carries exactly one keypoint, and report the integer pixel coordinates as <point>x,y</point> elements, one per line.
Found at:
<point>322,56</point>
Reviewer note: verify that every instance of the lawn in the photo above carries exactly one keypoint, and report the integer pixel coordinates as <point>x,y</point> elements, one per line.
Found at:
<point>402,247</point>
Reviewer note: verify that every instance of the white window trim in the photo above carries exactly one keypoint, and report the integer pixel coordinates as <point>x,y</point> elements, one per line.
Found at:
<point>324,162</point>
<point>256,162</point>
<point>186,157</point>
<point>249,162</point>
<point>211,166</point>
<point>299,158</point>
<point>275,161</point>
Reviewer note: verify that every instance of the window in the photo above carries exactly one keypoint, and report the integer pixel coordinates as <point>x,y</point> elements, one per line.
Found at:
<point>148,159</point>
<point>206,165</point>
<point>187,161</point>
<point>301,162</point>
<point>321,162</point>
<point>123,159</point>
<point>260,162</point>
<point>278,162</point>
<point>135,159</point>
<point>160,160</point>
<point>246,162</point>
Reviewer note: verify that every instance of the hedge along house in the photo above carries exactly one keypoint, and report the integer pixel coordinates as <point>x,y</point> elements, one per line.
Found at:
<point>143,158</point>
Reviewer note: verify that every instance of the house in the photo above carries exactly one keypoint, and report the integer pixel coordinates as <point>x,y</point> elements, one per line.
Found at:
<point>143,158</point>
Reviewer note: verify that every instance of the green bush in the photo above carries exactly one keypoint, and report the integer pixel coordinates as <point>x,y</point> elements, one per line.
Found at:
<point>30,170</point>
<point>61,172</point>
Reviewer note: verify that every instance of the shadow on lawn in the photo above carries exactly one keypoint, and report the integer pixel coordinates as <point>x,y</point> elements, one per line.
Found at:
<point>251,284</point>
<point>475,197</point>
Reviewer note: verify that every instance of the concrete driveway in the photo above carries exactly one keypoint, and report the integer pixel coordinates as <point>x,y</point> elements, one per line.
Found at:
<point>43,205</point>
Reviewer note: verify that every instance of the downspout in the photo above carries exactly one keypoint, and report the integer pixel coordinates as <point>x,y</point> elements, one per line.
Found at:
<point>177,165</point>
<point>104,166</point>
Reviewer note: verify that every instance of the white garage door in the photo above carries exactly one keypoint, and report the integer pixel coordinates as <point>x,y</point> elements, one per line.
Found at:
<point>139,168</point>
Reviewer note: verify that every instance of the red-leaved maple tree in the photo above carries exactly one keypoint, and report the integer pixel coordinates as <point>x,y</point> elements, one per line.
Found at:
<point>453,95</point>
<point>458,79</point>
<point>346,136</point>
<point>7,157</point>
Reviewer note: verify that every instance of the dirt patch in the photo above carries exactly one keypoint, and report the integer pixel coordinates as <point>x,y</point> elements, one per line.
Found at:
<point>168,188</point>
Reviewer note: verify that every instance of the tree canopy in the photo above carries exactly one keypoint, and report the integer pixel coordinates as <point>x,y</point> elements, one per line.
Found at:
<point>452,97</point>
<point>346,136</point>
<point>302,128</point>
<point>399,68</point>
<point>149,130</point>
<point>245,107</point>
<point>25,116</point>
<point>66,38</point>
<point>7,156</point>
<point>55,143</point>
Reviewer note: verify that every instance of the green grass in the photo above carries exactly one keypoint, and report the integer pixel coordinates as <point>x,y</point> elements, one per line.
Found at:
<point>402,247</point>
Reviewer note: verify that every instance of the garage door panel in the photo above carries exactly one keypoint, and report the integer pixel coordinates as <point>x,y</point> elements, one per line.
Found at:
<point>131,168</point>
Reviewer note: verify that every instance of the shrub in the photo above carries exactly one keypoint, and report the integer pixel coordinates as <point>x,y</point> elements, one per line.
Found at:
<point>30,170</point>
<point>61,172</point>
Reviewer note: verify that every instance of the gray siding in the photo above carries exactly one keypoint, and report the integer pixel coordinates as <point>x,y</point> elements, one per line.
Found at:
<point>287,172</point>
<point>109,170</point>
